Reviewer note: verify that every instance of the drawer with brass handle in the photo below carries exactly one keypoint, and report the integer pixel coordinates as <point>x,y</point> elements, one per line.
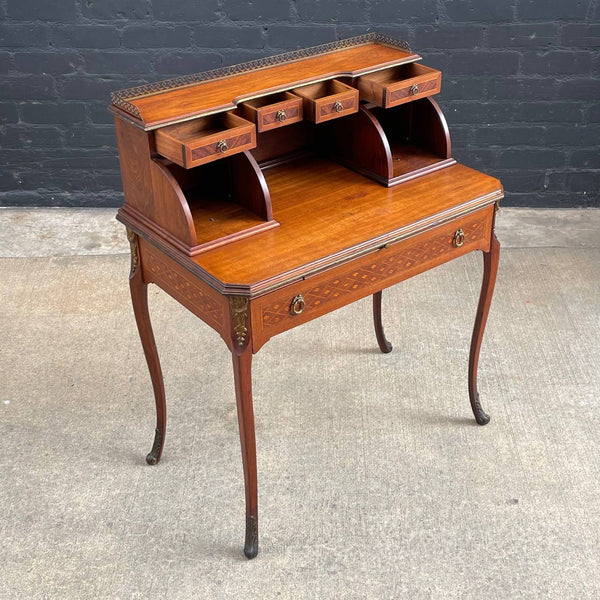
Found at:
<point>397,85</point>
<point>275,110</point>
<point>308,299</point>
<point>205,139</point>
<point>328,100</point>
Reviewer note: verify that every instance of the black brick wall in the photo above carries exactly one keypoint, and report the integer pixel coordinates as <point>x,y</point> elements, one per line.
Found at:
<point>520,87</point>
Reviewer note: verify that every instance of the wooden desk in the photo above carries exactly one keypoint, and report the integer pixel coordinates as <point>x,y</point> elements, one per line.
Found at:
<point>266,195</point>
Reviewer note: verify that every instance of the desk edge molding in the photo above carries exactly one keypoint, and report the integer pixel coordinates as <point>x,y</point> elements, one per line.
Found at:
<point>307,270</point>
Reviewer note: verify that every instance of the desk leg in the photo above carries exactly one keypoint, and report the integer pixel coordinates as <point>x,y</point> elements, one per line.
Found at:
<point>490,268</point>
<point>139,299</point>
<point>242,372</point>
<point>384,345</point>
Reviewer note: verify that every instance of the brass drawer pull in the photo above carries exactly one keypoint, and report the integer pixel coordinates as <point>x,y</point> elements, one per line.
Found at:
<point>414,89</point>
<point>280,115</point>
<point>298,304</point>
<point>222,146</point>
<point>337,106</point>
<point>459,238</point>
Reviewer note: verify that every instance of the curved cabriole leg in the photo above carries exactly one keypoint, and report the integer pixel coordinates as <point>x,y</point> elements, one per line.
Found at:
<point>241,352</point>
<point>242,371</point>
<point>384,345</point>
<point>490,268</point>
<point>139,299</point>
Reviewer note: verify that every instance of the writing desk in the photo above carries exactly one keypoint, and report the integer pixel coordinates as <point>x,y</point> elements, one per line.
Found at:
<point>268,194</point>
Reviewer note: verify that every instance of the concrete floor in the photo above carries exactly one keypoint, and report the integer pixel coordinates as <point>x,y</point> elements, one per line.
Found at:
<point>374,481</point>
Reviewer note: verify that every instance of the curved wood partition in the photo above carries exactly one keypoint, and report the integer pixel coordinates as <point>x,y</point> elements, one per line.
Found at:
<point>418,137</point>
<point>225,200</point>
<point>358,142</point>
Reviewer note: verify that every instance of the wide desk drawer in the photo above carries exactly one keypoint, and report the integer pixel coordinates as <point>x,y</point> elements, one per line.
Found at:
<point>305,300</point>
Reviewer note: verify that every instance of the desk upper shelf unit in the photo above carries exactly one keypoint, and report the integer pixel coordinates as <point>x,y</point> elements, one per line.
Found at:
<point>164,102</point>
<point>195,151</point>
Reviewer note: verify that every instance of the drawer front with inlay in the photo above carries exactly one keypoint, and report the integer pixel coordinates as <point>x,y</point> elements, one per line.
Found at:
<point>305,300</point>
<point>401,92</point>
<point>270,112</point>
<point>205,139</point>
<point>341,106</point>
<point>290,112</point>
<point>224,146</point>
<point>397,85</point>
<point>328,100</point>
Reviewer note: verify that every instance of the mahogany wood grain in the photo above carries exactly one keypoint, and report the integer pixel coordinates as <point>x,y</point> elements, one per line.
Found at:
<point>226,93</point>
<point>220,220</point>
<point>241,351</point>
<point>195,210</point>
<point>490,269</point>
<point>435,134</point>
<point>242,374</point>
<point>418,136</point>
<point>328,213</point>
<point>168,215</point>
<point>135,151</point>
<point>248,185</point>
<point>283,142</point>
<point>371,156</point>
<point>171,210</point>
<point>236,179</point>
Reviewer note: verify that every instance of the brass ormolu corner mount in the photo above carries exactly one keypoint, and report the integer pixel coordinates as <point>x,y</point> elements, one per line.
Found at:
<point>135,253</point>
<point>238,305</point>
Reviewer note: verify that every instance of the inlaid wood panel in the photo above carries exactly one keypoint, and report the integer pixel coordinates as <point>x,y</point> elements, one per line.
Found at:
<point>187,289</point>
<point>426,88</point>
<point>273,313</point>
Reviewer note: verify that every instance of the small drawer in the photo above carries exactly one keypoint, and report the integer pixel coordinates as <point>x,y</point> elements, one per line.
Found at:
<point>273,111</point>
<point>328,100</point>
<point>400,84</point>
<point>205,139</point>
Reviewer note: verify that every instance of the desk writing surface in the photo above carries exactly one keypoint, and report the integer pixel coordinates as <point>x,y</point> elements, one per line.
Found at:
<point>324,208</point>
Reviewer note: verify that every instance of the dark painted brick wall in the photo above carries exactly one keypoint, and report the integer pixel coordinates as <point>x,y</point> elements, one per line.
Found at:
<point>520,87</point>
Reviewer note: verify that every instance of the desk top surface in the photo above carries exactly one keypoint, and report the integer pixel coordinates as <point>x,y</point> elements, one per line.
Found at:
<point>328,214</point>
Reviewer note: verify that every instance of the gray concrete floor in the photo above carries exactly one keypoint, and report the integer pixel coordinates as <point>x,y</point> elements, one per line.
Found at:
<point>374,481</point>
